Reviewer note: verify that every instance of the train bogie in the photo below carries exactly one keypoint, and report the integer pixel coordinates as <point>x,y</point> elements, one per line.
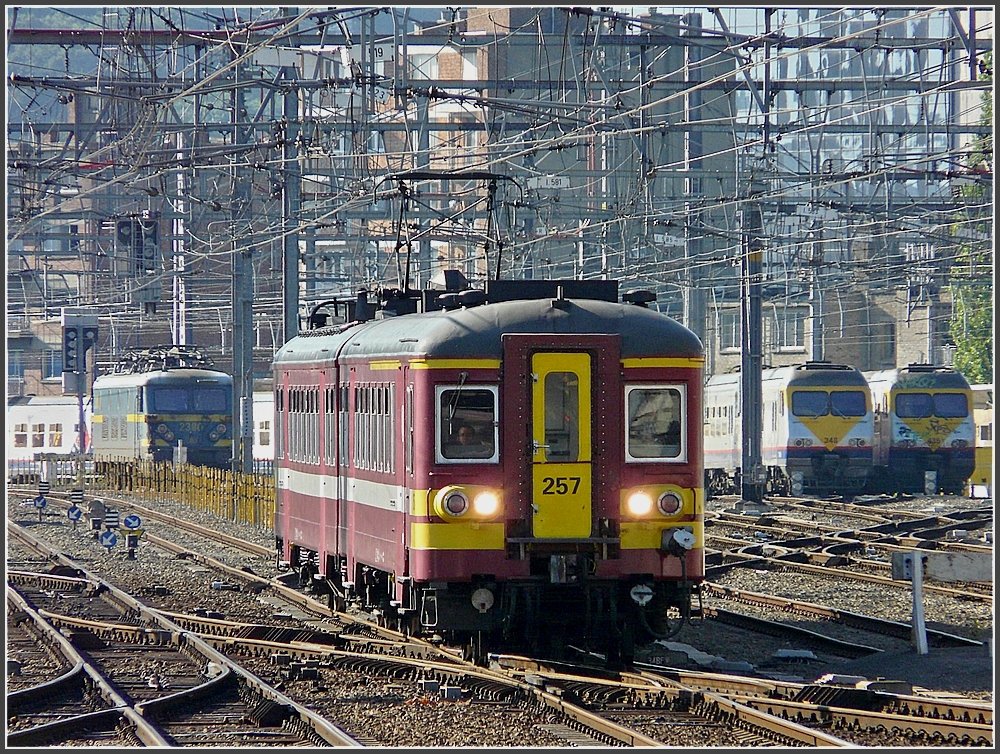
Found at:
<point>519,468</point>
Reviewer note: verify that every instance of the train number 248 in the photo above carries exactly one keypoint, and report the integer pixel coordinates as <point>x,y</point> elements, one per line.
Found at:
<point>560,485</point>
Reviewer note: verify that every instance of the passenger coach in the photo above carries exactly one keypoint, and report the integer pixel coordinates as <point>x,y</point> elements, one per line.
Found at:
<point>523,463</point>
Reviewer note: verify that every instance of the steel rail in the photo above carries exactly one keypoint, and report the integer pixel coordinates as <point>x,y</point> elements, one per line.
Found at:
<point>322,727</point>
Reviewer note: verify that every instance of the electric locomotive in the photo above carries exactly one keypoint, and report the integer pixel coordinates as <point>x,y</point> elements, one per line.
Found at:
<point>164,404</point>
<point>924,429</point>
<point>817,430</point>
<point>497,467</point>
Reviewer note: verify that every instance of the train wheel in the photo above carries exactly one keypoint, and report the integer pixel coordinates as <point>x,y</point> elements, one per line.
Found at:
<point>305,575</point>
<point>336,601</point>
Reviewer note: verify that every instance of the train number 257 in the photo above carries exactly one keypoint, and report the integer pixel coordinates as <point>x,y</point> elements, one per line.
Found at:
<point>560,485</point>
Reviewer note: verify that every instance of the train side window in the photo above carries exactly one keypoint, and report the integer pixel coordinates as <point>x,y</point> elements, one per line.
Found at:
<point>466,425</point>
<point>656,415</point>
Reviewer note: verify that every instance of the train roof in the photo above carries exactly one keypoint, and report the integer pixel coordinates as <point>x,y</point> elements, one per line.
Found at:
<point>163,376</point>
<point>476,331</point>
<point>812,373</point>
<point>42,400</point>
<point>916,376</point>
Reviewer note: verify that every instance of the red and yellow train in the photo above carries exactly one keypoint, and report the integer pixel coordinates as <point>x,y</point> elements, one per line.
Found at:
<point>521,465</point>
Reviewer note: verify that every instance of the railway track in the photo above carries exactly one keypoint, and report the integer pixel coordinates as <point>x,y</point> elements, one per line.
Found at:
<point>194,696</point>
<point>279,653</point>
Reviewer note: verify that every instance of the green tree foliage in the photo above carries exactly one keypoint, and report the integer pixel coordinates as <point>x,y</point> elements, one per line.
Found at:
<point>972,273</point>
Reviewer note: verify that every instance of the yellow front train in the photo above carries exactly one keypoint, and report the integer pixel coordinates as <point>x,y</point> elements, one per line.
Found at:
<point>817,430</point>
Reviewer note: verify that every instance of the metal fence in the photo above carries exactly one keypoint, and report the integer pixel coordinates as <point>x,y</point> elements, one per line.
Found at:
<point>243,498</point>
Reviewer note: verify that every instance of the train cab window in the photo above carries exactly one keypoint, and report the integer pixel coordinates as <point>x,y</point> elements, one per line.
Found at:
<point>655,418</point>
<point>950,405</point>
<point>466,424</point>
<point>925,405</point>
<point>848,403</point>
<point>167,399</point>
<point>213,400</point>
<point>843,403</point>
<point>810,403</point>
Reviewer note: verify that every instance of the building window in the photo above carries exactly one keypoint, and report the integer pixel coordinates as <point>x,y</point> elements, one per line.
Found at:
<point>15,364</point>
<point>38,435</point>
<point>729,329</point>
<point>20,435</point>
<point>52,364</point>
<point>423,65</point>
<point>788,328</point>
<point>55,435</point>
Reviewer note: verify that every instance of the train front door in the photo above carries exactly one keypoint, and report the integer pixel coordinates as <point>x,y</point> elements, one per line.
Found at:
<point>561,453</point>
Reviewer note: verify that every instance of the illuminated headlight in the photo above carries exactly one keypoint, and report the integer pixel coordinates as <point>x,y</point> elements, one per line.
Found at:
<point>669,503</point>
<point>455,503</point>
<point>484,504</point>
<point>213,435</point>
<point>639,504</point>
<point>959,443</point>
<point>169,436</point>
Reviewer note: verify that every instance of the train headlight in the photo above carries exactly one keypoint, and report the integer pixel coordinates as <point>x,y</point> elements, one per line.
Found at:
<point>213,435</point>
<point>669,503</point>
<point>451,502</point>
<point>221,429</point>
<point>485,504</point>
<point>163,430</point>
<point>169,436</point>
<point>857,442</point>
<point>959,443</point>
<point>639,504</point>
<point>455,504</point>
